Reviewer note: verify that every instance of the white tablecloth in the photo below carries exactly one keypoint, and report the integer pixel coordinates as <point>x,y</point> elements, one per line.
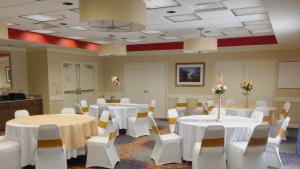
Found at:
<point>122,111</point>
<point>192,128</point>
<point>240,110</point>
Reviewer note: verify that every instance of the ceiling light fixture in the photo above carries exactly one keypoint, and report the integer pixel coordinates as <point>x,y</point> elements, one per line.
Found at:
<point>39,17</point>
<point>113,15</point>
<point>80,28</point>
<point>170,37</point>
<point>249,11</point>
<point>76,37</point>
<point>44,31</point>
<point>183,18</point>
<point>200,45</point>
<point>155,4</point>
<point>134,40</point>
<point>153,32</point>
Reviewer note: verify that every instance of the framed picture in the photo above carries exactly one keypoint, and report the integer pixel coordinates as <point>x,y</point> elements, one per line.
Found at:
<point>7,73</point>
<point>190,74</point>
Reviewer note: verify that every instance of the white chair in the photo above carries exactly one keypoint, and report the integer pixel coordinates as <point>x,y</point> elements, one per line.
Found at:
<point>152,107</point>
<point>172,117</point>
<point>125,100</point>
<point>199,108</point>
<point>181,106</point>
<point>103,123</point>
<point>210,153</point>
<point>167,147</point>
<point>264,109</point>
<point>259,103</point>
<point>285,110</point>
<point>230,101</point>
<point>78,108</point>
<point>117,98</point>
<point>139,124</point>
<point>21,113</point>
<point>258,116</point>
<point>208,106</point>
<point>251,154</point>
<point>107,97</point>
<point>215,111</point>
<point>101,151</point>
<point>272,152</point>
<point>10,155</point>
<point>284,113</point>
<point>68,110</point>
<point>50,152</point>
<point>100,101</point>
<point>84,106</point>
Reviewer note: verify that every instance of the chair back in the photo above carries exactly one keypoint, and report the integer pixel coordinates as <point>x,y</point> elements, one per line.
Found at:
<point>181,102</point>
<point>258,141</point>
<point>282,130</point>
<point>230,101</point>
<point>114,132</point>
<point>200,103</point>
<point>103,121</point>
<point>68,110</point>
<point>258,116</point>
<point>152,106</point>
<point>259,103</point>
<point>215,111</point>
<point>155,130</point>
<point>209,105</point>
<point>107,97</point>
<point>142,115</point>
<point>100,101</point>
<point>84,106</point>
<point>172,117</point>
<point>49,138</point>
<point>125,100</point>
<point>21,113</point>
<point>213,140</point>
<point>78,108</point>
<point>264,109</point>
<point>285,109</point>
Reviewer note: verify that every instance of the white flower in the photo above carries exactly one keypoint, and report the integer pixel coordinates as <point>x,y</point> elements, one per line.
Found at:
<point>114,78</point>
<point>225,87</point>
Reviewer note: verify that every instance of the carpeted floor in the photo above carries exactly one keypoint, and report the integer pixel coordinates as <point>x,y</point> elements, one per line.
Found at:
<point>135,154</point>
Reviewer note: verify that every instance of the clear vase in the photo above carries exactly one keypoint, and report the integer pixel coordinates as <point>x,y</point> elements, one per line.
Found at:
<point>219,107</point>
<point>246,104</point>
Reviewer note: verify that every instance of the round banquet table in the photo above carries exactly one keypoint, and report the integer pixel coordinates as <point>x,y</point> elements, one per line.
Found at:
<point>192,128</point>
<point>74,131</point>
<point>122,111</point>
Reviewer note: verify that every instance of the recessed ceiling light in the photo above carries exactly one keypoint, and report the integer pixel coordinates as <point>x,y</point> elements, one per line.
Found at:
<point>80,28</point>
<point>134,40</point>
<point>261,31</point>
<point>103,42</point>
<point>67,3</point>
<point>262,22</point>
<point>209,5</point>
<point>44,31</point>
<point>255,17</point>
<point>142,37</point>
<point>76,37</point>
<point>64,24</point>
<point>155,4</point>
<point>183,18</point>
<point>153,32</point>
<point>39,17</point>
<point>171,11</point>
<point>249,11</point>
<point>170,37</point>
<point>258,27</point>
<point>10,24</point>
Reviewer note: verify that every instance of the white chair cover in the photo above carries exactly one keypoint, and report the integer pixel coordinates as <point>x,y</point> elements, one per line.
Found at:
<point>272,152</point>
<point>84,106</point>
<point>257,116</point>
<point>139,125</point>
<point>107,97</point>
<point>101,150</point>
<point>209,153</point>
<point>199,107</point>
<point>264,109</point>
<point>10,155</point>
<point>152,107</point>
<point>259,103</point>
<point>100,101</point>
<point>125,100</point>
<point>215,111</point>
<point>21,113</point>
<point>181,106</point>
<point>167,147</point>
<point>172,117</point>
<point>251,154</point>
<point>68,110</point>
<point>103,122</point>
<point>78,108</point>
<point>50,151</point>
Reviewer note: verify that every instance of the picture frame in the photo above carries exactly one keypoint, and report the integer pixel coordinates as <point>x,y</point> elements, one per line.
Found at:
<point>190,74</point>
<point>8,74</point>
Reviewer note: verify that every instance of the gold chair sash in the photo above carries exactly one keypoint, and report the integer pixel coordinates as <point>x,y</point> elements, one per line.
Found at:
<point>85,109</point>
<point>284,113</point>
<point>113,135</point>
<point>257,141</point>
<point>172,121</point>
<point>49,143</point>
<point>181,105</point>
<point>102,124</point>
<point>281,132</point>
<point>217,142</point>
<point>110,118</point>
<point>116,101</point>
<point>199,104</point>
<point>209,108</point>
<point>142,115</point>
<point>151,109</point>
<point>206,112</point>
<point>155,129</point>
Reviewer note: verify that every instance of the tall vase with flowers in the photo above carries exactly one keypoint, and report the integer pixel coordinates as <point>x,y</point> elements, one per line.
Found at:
<point>219,90</point>
<point>246,87</point>
<point>116,81</point>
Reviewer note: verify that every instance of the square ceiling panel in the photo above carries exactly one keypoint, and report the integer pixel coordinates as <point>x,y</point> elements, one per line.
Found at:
<point>255,17</point>
<point>155,4</point>
<point>234,4</point>
<point>249,11</point>
<point>183,18</point>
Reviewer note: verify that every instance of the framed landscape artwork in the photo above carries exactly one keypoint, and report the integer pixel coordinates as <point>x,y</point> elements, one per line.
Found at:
<point>190,74</point>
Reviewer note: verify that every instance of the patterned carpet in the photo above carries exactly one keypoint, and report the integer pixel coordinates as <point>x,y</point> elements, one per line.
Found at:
<point>135,154</point>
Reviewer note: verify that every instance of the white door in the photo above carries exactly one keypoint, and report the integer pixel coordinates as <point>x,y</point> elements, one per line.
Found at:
<point>70,84</point>
<point>144,82</point>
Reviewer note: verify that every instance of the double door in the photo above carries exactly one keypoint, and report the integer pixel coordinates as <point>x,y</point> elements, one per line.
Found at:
<point>79,82</point>
<point>144,82</point>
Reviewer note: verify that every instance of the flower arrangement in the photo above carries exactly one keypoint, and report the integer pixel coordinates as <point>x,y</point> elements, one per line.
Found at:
<point>219,89</point>
<point>246,87</point>
<point>116,81</point>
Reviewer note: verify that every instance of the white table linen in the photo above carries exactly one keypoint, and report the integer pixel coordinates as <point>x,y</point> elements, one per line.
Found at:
<point>192,128</point>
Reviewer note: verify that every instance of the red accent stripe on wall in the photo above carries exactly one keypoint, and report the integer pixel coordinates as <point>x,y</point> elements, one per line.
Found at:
<point>230,42</point>
<point>49,39</point>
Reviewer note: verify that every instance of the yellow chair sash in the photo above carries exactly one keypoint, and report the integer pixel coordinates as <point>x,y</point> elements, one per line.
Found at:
<point>151,109</point>
<point>116,101</point>
<point>181,105</point>
<point>142,115</point>
<point>205,112</point>
<point>209,108</point>
<point>49,143</point>
<point>284,113</point>
<point>155,129</point>
<point>109,101</point>
<point>218,142</point>
<point>281,132</point>
<point>172,121</point>
<point>102,124</point>
<point>85,109</point>
<point>199,104</point>
<point>257,141</point>
<point>113,135</point>
<point>110,118</point>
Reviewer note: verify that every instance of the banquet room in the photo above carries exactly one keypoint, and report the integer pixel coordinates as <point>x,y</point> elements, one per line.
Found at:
<point>149,84</point>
